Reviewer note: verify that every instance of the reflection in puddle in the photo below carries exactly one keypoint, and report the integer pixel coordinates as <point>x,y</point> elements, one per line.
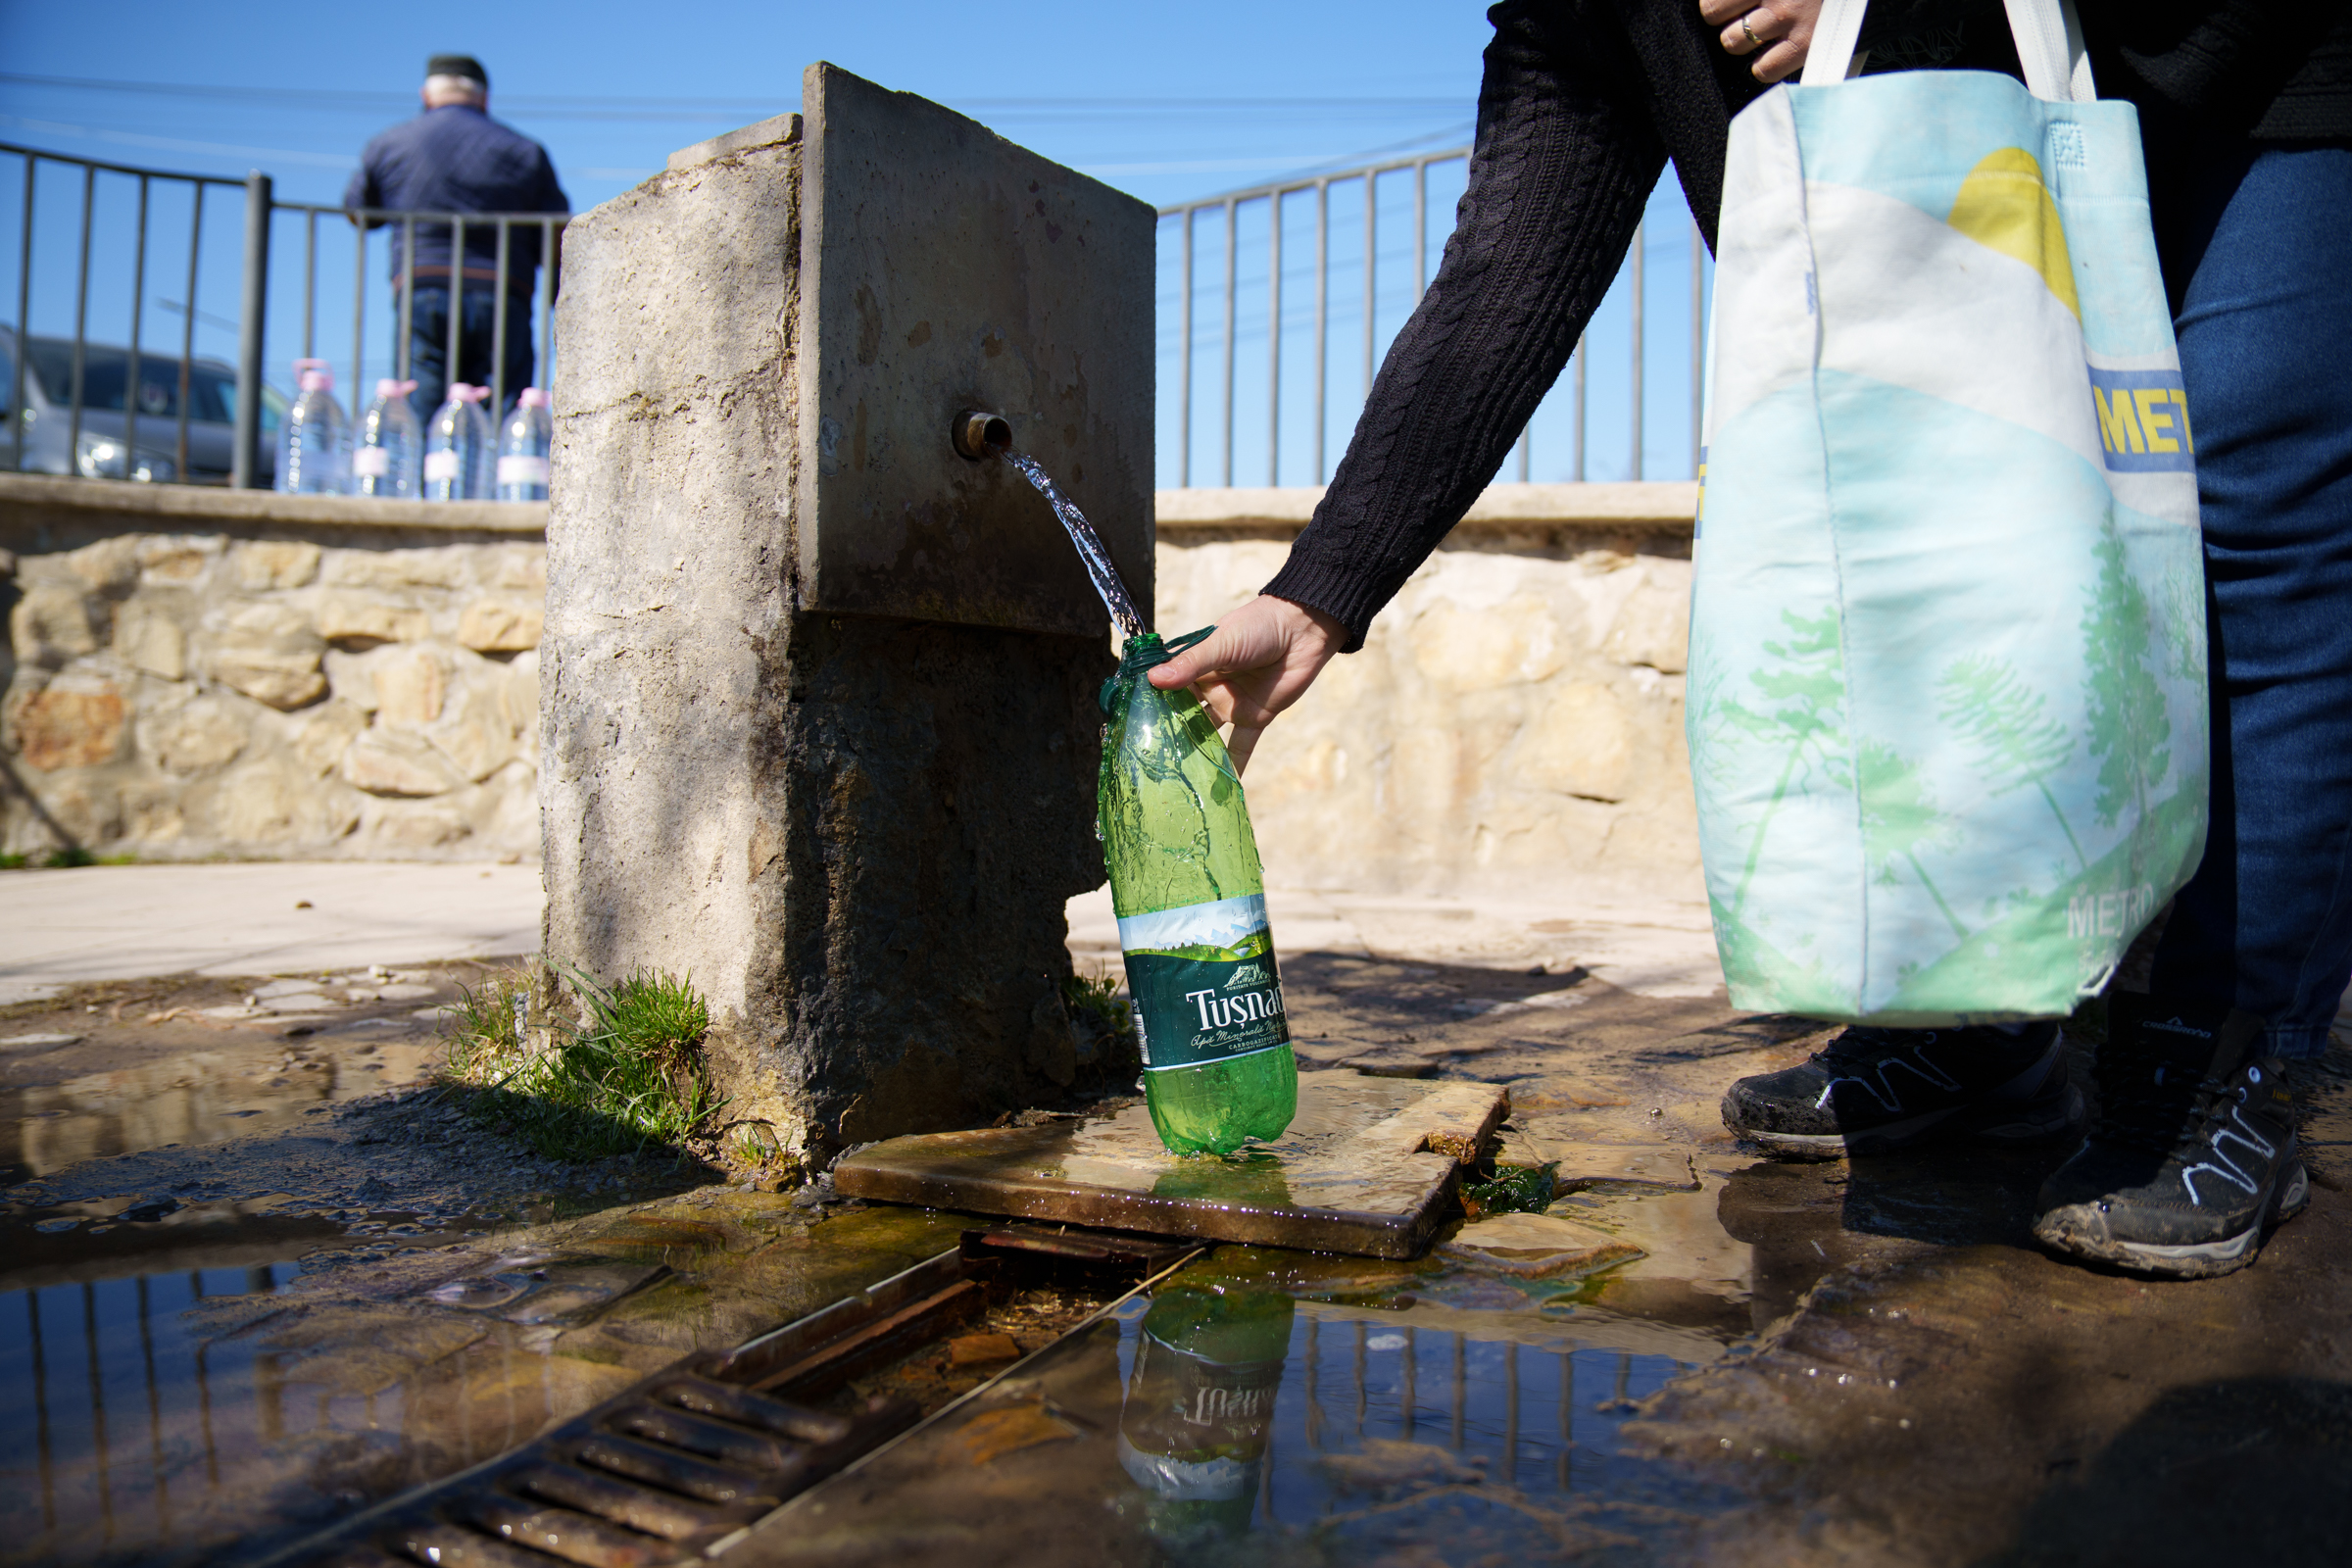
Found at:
<point>1215,1423</point>
<point>128,1414</point>
<point>238,1089</point>
<point>165,1416</point>
<point>1442,1442</point>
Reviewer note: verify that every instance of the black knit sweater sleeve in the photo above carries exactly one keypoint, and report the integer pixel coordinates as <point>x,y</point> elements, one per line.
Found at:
<point>1566,154</point>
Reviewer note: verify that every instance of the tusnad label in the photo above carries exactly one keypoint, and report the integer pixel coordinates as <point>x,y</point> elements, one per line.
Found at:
<point>1205,983</point>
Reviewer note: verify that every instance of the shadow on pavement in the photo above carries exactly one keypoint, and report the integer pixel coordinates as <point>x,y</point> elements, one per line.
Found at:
<point>2252,1470</point>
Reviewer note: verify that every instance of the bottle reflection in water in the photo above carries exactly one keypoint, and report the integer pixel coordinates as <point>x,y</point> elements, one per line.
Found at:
<point>1200,1404</point>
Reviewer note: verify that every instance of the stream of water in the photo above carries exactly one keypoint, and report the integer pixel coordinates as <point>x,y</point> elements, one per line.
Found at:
<point>1130,621</point>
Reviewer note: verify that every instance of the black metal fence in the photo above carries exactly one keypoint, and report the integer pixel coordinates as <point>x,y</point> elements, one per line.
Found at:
<point>76,401</point>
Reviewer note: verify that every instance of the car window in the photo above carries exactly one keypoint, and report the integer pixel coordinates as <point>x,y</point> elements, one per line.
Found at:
<point>212,389</point>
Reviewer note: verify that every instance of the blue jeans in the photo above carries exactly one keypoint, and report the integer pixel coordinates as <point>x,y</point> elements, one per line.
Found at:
<point>429,344</point>
<point>2257,263</point>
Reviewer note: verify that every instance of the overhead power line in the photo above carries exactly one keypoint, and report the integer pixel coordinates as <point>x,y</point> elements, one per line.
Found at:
<point>615,106</point>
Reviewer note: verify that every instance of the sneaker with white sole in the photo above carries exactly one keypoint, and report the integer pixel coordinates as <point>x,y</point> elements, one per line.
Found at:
<point>1874,1089</point>
<point>2193,1156</point>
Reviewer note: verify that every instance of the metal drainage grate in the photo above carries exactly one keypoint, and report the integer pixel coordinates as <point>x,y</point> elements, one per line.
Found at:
<point>658,1473</point>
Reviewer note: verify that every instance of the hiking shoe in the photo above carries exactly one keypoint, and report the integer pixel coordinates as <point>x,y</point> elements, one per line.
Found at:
<point>2193,1156</point>
<point>1873,1090</point>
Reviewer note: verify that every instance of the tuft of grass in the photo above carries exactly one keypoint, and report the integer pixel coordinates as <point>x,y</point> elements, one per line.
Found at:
<point>627,1077</point>
<point>1097,997</point>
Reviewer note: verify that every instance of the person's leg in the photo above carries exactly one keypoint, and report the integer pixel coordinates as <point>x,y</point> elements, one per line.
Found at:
<point>521,355</point>
<point>2194,1156</point>
<point>2265,925</point>
<point>428,350</point>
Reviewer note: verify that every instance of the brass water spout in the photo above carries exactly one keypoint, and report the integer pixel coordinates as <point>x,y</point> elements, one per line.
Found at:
<point>978,433</point>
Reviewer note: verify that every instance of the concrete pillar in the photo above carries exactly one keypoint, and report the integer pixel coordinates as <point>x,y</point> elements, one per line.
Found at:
<point>818,718</point>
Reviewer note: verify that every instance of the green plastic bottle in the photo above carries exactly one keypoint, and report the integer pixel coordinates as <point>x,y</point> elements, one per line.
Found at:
<point>1191,899</point>
<point>1199,1405</point>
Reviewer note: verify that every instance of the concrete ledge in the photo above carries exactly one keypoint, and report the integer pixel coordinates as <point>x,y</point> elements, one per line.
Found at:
<point>781,131</point>
<point>1667,505</point>
<point>180,508</point>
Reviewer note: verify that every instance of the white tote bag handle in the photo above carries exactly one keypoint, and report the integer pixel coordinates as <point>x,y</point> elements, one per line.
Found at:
<point>2049,45</point>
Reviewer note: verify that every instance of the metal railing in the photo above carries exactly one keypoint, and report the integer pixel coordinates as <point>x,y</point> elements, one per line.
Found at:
<point>1267,310</point>
<point>20,355</point>
<point>258,308</point>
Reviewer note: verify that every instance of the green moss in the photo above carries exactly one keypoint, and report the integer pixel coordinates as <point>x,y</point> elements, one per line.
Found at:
<point>1508,1189</point>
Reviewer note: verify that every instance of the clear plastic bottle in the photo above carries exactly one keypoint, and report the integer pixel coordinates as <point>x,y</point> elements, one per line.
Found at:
<point>311,453</point>
<point>387,447</point>
<point>523,443</point>
<point>456,447</point>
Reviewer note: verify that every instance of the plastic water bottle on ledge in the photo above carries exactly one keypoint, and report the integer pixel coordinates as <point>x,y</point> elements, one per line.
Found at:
<point>523,443</point>
<point>310,440</point>
<point>1190,897</point>
<point>386,445</point>
<point>456,447</point>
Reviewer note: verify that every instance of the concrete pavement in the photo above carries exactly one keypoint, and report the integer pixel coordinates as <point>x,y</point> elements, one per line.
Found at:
<point>126,922</point>
<point>106,923</point>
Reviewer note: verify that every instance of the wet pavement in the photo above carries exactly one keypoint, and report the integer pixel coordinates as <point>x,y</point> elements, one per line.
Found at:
<point>334,1288</point>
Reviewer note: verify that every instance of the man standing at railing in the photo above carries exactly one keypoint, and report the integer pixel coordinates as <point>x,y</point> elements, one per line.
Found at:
<point>454,158</point>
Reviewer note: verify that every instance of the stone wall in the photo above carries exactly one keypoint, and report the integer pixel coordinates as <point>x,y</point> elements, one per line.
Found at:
<point>196,673</point>
<point>1515,717</point>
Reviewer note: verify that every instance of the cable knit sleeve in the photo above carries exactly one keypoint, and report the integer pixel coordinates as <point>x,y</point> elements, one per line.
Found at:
<point>1565,157</point>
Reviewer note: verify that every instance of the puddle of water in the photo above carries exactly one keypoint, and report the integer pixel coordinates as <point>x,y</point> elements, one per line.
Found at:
<point>126,1423</point>
<point>1408,1440</point>
<point>1212,1422</point>
<point>239,1089</point>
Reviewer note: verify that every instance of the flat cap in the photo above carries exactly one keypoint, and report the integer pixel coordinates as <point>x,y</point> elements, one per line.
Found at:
<point>458,66</point>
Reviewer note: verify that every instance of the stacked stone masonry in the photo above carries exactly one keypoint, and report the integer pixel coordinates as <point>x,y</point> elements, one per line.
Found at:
<point>177,688</point>
<point>252,690</point>
<point>1514,719</point>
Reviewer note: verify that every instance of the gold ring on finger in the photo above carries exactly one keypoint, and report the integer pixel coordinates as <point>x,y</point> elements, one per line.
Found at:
<point>1754,42</point>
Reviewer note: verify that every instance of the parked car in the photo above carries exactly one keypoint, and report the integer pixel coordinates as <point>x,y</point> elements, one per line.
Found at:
<point>46,418</point>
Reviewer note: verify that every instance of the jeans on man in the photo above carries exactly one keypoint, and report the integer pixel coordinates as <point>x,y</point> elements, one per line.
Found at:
<point>2258,272</point>
<point>429,344</point>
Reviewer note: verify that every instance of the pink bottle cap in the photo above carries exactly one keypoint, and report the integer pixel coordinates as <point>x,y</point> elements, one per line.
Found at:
<point>459,391</point>
<point>535,397</point>
<point>389,389</point>
<point>313,375</point>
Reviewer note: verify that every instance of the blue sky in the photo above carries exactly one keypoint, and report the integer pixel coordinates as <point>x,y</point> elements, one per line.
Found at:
<point>1144,95</point>
<point>1167,103</point>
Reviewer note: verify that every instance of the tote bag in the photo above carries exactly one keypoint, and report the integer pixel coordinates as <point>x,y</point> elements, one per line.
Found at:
<point>1946,704</point>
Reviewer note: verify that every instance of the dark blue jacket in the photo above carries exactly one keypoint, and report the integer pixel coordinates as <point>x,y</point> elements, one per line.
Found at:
<point>456,159</point>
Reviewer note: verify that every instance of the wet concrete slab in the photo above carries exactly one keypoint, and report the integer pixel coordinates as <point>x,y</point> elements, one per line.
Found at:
<point>1366,1166</point>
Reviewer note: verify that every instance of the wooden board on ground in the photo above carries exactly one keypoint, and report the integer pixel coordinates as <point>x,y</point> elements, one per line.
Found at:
<point>1365,1169</point>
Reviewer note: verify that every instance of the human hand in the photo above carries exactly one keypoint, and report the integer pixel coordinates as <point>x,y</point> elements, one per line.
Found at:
<point>1777,33</point>
<point>1261,660</point>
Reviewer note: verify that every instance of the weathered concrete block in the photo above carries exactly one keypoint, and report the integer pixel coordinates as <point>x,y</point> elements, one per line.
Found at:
<point>857,831</point>
<point>945,268</point>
